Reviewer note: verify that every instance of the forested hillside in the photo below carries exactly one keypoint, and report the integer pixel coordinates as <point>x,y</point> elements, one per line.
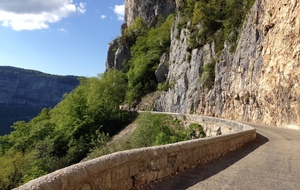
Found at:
<point>80,126</point>
<point>65,134</point>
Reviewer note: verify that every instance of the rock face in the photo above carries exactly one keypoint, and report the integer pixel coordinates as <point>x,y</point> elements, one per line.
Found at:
<point>280,72</point>
<point>258,82</point>
<point>185,88</point>
<point>23,93</point>
<point>236,90</point>
<point>262,81</point>
<point>162,70</point>
<point>149,10</point>
<point>116,55</point>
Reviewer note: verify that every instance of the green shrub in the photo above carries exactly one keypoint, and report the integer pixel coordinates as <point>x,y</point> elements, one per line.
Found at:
<point>156,129</point>
<point>164,86</point>
<point>146,54</point>
<point>219,20</point>
<point>130,34</point>
<point>182,23</point>
<point>196,128</point>
<point>208,75</point>
<point>151,130</point>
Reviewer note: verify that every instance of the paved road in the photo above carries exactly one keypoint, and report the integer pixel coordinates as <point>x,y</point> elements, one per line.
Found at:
<point>271,162</point>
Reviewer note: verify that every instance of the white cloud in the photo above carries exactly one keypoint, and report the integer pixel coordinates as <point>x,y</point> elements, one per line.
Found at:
<point>36,14</point>
<point>119,10</point>
<point>62,30</point>
<point>103,16</point>
<point>81,8</point>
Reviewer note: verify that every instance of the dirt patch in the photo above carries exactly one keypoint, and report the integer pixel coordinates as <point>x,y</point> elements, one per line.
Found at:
<point>125,133</point>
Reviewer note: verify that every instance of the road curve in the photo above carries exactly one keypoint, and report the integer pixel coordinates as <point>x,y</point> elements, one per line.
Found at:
<point>271,162</point>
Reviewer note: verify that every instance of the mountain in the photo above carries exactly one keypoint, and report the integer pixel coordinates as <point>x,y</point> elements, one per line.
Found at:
<point>236,59</point>
<point>23,94</point>
<point>233,59</point>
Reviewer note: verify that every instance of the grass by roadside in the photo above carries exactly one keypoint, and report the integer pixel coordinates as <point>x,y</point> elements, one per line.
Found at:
<point>149,130</point>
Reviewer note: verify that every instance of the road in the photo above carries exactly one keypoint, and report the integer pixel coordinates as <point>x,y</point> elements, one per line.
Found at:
<point>271,162</point>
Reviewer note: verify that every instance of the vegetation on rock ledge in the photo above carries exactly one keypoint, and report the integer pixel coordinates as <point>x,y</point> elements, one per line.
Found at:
<point>146,53</point>
<point>214,20</point>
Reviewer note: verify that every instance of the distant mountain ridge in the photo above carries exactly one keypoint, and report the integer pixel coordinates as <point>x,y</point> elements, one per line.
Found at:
<point>23,93</point>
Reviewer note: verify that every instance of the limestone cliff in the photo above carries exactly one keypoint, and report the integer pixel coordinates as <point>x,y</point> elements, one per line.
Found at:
<point>149,10</point>
<point>279,92</point>
<point>23,93</point>
<point>259,81</point>
<point>263,81</point>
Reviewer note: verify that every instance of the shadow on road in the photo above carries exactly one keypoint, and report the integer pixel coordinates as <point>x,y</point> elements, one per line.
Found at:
<point>193,176</point>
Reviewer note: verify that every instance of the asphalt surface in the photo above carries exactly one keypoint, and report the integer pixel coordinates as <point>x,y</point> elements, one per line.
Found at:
<point>271,162</point>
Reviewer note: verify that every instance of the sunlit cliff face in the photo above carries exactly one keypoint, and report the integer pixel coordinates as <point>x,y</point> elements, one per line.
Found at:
<point>147,9</point>
<point>259,81</point>
<point>280,79</point>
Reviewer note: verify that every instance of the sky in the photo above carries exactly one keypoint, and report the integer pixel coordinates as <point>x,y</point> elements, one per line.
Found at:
<point>62,37</point>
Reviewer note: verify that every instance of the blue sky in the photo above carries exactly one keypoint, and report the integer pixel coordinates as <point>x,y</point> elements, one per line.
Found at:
<point>64,37</point>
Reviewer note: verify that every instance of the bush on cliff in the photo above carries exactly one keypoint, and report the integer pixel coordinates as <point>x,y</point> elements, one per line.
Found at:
<point>146,53</point>
<point>214,20</point>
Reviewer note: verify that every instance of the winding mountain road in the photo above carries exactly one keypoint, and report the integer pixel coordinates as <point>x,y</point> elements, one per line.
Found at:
<point>271,162</point>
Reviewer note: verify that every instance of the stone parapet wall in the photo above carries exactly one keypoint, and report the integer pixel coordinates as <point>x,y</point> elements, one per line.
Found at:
<point>132,168</point>
<point>211,125</point>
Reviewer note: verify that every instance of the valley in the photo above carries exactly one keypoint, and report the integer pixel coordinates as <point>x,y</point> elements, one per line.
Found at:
<point>24,93</point>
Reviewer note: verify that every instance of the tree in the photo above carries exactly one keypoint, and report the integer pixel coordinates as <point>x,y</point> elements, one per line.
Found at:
<point>145,58</point>
<point>130,34</point>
